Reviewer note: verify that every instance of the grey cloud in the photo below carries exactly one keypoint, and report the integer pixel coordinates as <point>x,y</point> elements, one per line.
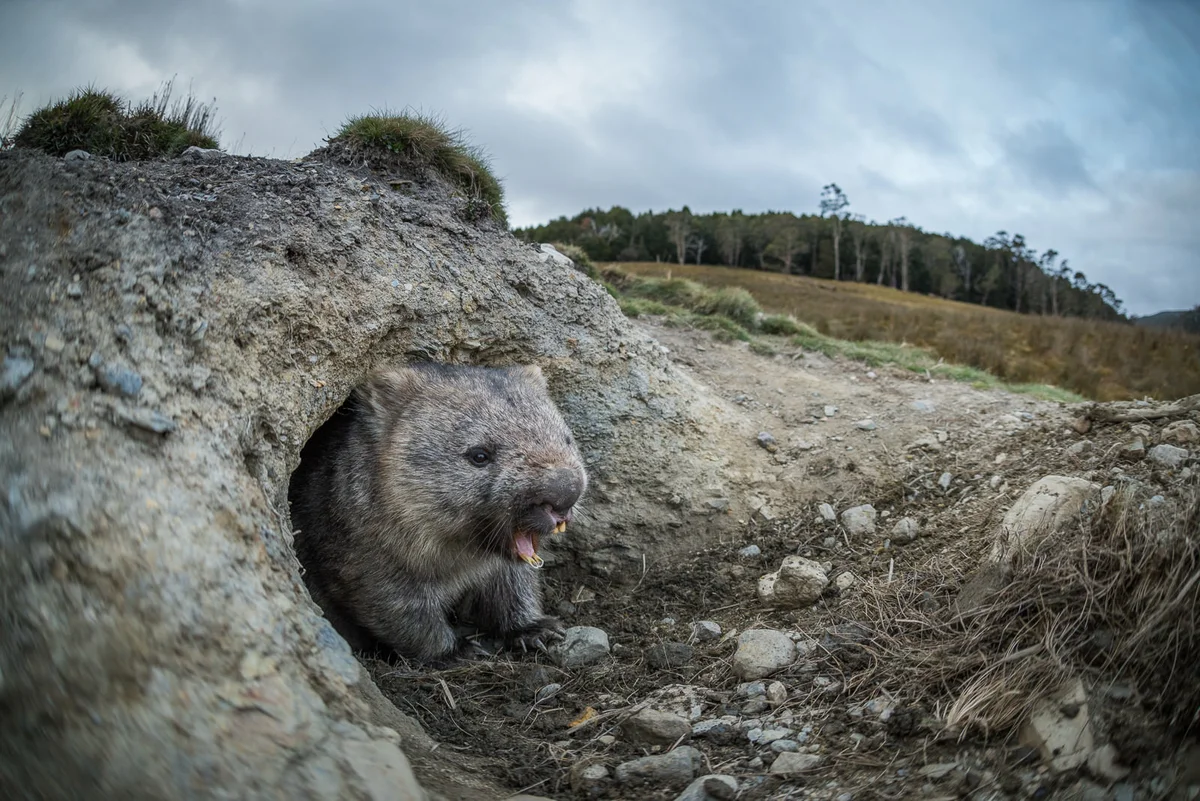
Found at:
<point>1043,154</point>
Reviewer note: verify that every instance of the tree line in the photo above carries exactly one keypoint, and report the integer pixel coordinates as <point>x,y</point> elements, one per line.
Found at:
<point>1002,272</point>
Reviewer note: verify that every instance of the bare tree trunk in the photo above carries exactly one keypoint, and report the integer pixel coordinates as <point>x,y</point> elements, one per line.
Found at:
<point>837,242</point>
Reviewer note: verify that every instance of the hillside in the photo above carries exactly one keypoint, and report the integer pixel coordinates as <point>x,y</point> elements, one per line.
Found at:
<point>1188,320</point>
<point>1098,359</point>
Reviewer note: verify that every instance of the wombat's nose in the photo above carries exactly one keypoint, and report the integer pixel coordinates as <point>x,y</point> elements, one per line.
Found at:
<point>561,490</point>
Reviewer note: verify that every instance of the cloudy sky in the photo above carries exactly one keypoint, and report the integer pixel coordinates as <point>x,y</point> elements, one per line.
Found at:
<point>1073,122</point>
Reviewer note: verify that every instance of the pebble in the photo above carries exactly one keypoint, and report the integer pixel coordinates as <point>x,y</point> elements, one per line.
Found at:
<point>13,374</point>
<point>713,787</point>
<point>1156,501</point>
<point>1182,432</point>
<point>776,693</point>
<point>859,520</point>
<point>827,513</point>
<point>845,581</point>
<point>750,552</point>
<point>830,411</point>
<point>118,379</point>
<point>706,630</point>
<point>547,692</point>
<point>715,729</point>
<point>761,652</point>
<point>798,582</point>
<point>54,343</point>
<point>922,406</point>
<point>591,776</point>
<point>790,762</point>
<point>1080,448</point>
<point>651,727</point>
<point>581,645</point>
<point>1168,455</point>
<point>77,155</point>
<point>668,655</point>
<point>1133,451</point>
<point>676,767</point>
<point>944,481</point>
<point>865,425</point>
<point>905,531</point>
<point>767,442</point>
<point>779,746</point>
<point>147,420</point>
<point>751,689</point>
<point>768,736</point>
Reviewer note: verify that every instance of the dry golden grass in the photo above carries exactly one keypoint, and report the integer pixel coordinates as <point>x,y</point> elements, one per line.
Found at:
<point>1100,360</point>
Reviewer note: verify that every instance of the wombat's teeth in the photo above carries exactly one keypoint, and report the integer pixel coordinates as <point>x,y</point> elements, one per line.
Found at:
<point>561,527</point>
<point>534,560</point>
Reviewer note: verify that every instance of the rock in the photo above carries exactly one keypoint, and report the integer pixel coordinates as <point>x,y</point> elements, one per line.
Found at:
<point>761,652</point>
<point>119,380</point>
<point>546,692</point>
<point>769,736</point>
<point>779,746</point>
<point>706,631</point>
<point>13,374</point>
<point>715,729</point>
<point>827,513</point>
<point>1168,455</point>
<point>922,406</point>
<point>845,581</point>
<point>776,693</point>
<point>865,425</point>
<point>77,155</point>
<point>1133,451</point>
<point>674,768</point>
<point>145,419</point>
<point>830,411</point>
<point>1182,432</point>
<point>586,778</point>
<point>581,645</point>
<point>195,152</point>
<point>859,520</point>
<point>790,763</point>
<point>938,770</point>
<point>905,531</point>
<point>1064,740</point>
<point>944,481</point>
<point>752,689</point>
<point>668,655</point>
<point>798,582</point>
<point>549,253</point>
<point>1080,448</point>
<point>713,787</point>
<point>651,727</point>
<point>750,552</point>
<point>1104,763</point>
<point>767,442</point>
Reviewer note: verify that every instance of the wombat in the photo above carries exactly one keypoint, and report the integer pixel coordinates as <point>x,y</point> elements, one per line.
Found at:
<point>426,496</point>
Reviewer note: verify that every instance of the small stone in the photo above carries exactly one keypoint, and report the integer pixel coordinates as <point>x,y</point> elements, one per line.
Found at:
<point>859,520</point>
<point>651,727</point>
<point>761,652</point>
<point>1082,425</point>
<point>13,374</point>
<point>938,770</point>
<point>769,736</point>
<point>944,481</point>
<point>55,343</point>
<point>1133,451</point>
<point>1080,448</point>
<point>790,763</point>
<point>717,504</point>
<point>74,290</point>
<point>767,442</point>
<point>547,692</point>
<point>1107,494</point>
<point>755,707</point>
<point>1103,764</point>
<point>77,155</point>
<point>779,746</point>
<point>585,778</point>
<point>706,630</point>
<point>1182,432</point>
<point>750,552</point>
<point>581,645</point>
<point>922,406</point>
<point>1065,740</point>
<point>146,419</point>
<point>776,693</point>
<point>798,582</point>
<point>668,655</point>
<point>827,513</point>
<point>751,689</point>
<point>845,581</point>
<point>713,787</point>
<point>714,729</point>
<point>119,380</point>
<point>905,531</point>
<point>803,445</point>
<point>1168,455</point>
<point>830,411</point>
<point>865,425</point>
<point>1156,501</point>
<point>674,768</point>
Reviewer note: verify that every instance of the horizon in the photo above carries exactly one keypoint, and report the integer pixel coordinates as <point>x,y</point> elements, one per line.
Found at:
<point>1075,126</point>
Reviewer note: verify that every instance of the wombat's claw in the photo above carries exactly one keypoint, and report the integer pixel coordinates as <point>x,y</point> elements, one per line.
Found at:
<point>469,650</point>
<point>536,635</point>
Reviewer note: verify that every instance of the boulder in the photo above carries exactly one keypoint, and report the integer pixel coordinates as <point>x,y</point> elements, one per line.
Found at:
<point>797,583</point>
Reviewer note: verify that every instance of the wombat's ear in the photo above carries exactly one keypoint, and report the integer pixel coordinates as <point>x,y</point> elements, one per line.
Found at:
<point>531,372</point>
<point>389,390</point>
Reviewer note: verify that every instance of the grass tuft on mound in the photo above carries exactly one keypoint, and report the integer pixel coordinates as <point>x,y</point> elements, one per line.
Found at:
<point>104,124</point>
<point>422,140</point>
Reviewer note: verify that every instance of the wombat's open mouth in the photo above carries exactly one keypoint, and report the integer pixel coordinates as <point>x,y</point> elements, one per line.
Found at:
<point>525,540</point>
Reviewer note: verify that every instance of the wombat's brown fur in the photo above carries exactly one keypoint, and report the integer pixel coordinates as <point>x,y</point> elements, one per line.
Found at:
<point>418,498</point>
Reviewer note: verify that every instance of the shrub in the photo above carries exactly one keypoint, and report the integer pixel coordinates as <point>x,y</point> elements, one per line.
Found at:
<point>104,124</point>
<point>779,325</point>
<point>411,139</point>
<point>583,262</point>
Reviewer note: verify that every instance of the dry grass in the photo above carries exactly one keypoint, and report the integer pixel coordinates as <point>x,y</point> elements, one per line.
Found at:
<point>1099,360</point>
<point>1115,599</point>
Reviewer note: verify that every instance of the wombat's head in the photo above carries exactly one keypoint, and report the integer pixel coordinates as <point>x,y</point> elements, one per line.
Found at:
<point>480,455</point>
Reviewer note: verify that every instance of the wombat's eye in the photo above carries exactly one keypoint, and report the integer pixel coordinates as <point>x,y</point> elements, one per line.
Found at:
<point>479,456</point>
<point>568,439</point>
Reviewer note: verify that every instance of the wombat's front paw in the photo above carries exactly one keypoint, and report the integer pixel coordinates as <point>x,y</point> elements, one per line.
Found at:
<point>538,634</point>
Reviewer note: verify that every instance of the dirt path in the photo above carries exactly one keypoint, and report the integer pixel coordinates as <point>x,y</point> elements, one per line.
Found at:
<point>948,456</point>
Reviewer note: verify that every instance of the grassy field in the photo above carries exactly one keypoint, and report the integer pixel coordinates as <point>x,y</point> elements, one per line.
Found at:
<point>1103,361</point>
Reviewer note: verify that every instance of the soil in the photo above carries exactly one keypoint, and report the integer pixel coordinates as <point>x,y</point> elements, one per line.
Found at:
<point>992,445</point>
